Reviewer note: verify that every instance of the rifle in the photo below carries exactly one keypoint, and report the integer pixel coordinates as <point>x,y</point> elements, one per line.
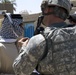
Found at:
<point>38,28</point>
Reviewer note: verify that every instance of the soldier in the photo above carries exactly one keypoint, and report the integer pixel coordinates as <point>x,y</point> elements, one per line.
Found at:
<point>54,51</point>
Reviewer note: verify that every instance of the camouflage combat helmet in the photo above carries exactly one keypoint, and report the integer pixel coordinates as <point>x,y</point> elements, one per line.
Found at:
<point>65,4</point>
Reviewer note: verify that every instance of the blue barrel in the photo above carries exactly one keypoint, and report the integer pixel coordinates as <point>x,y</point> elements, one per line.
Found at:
<point>29,30</point>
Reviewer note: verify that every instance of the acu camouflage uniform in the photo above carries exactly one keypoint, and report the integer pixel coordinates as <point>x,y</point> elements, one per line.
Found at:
<point>61,56</point>
<point>61,40</point>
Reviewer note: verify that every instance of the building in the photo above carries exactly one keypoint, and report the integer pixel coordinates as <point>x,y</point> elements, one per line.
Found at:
<point>74,2</point>
<point>7,7</point>
<point>74,6</point>
<point>1,19</point>
<point>30,22</point>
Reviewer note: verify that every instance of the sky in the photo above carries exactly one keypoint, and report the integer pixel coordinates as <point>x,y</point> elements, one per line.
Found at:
<point>32,6</point>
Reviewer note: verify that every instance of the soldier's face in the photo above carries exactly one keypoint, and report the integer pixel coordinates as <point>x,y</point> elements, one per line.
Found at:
<point>46,15</point>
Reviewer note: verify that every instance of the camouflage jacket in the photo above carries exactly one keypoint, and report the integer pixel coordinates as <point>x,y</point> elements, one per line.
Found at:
<point>61,56</point>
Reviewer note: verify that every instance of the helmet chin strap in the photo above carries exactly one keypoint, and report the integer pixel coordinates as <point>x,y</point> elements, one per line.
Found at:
<point>49,13</point>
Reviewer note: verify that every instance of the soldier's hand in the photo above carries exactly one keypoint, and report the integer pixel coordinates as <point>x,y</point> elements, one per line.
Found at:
<point>23,41</point>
